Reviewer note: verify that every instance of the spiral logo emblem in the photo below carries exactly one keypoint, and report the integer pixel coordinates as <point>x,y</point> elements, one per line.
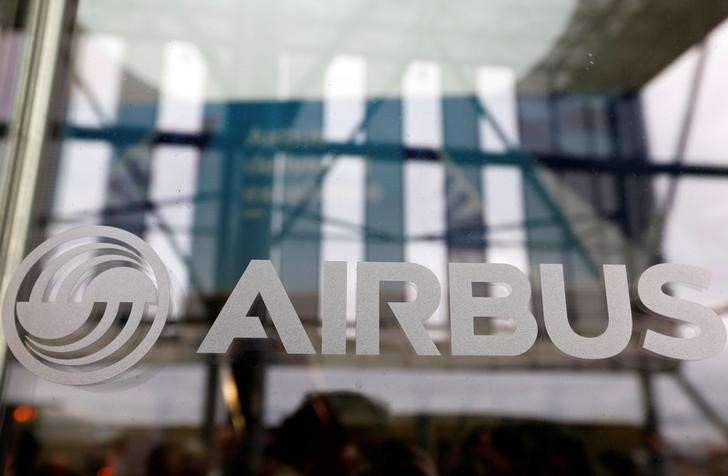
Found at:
<point>86,305</point>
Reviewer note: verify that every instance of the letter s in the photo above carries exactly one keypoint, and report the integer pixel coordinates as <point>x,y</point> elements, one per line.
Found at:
<point>712,335</point>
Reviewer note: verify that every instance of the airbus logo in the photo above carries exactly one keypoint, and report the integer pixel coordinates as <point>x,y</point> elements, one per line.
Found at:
<point>60,308</point>
<point>86,305</point>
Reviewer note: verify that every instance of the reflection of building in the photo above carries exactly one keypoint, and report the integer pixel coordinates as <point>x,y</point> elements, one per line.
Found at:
<point>274,180</point>
<point>322,156</point>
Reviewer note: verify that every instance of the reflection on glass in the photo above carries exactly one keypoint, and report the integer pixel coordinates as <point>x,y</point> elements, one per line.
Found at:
<point>522,132</point>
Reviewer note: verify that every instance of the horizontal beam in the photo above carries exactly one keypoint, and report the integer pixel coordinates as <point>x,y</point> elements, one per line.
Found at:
<point>631,165</point>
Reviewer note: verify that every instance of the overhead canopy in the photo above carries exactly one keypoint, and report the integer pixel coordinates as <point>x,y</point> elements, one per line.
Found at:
<point>616,45</point>
<point>248,46</point>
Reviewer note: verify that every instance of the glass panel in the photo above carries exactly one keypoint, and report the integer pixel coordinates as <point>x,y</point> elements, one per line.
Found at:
<point>13,18</point>
<point>214,139</point>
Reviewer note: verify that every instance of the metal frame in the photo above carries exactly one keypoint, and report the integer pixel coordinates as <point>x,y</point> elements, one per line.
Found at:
<point>27,135</point>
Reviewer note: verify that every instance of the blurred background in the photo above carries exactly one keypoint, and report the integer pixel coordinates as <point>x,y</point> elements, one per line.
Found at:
<point>582,132</point>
